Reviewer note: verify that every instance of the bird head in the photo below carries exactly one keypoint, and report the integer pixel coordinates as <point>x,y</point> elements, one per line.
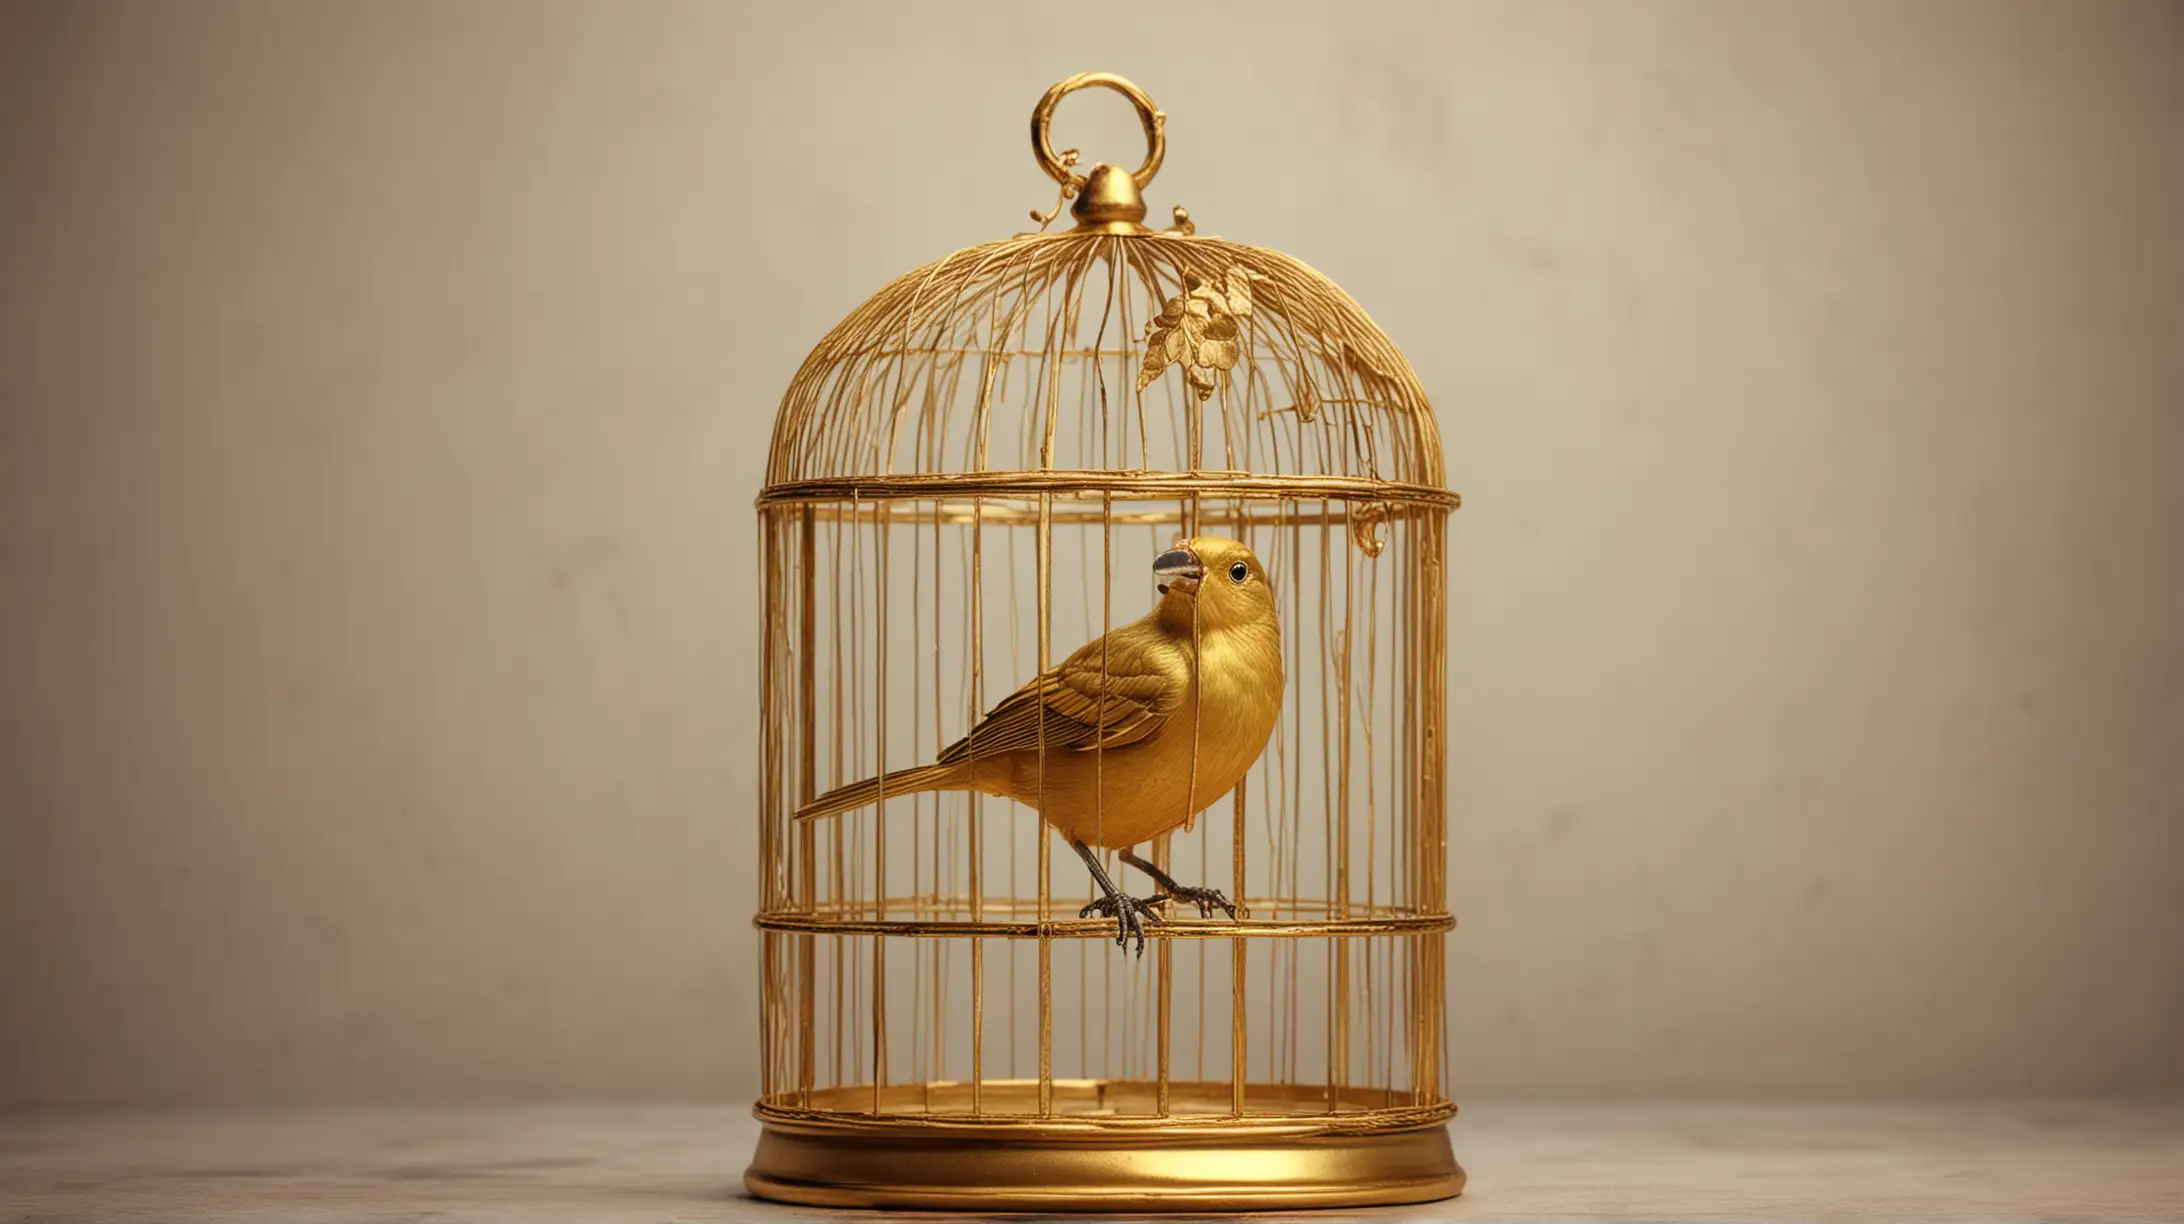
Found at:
<point>1216,581</point>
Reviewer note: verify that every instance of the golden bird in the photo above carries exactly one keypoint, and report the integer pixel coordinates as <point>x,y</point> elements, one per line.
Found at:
<point>1142,729</point>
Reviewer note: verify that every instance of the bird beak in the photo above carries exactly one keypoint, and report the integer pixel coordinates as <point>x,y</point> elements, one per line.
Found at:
<point>1178,568</point>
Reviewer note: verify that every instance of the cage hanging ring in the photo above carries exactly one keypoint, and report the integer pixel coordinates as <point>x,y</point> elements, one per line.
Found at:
<point>1042,121</point>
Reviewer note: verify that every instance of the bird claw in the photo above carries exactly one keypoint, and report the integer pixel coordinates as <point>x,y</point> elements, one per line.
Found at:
<point>1131,914</point>
<point>1206,899</point>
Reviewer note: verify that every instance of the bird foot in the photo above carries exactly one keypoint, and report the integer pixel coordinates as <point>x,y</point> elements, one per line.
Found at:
<point>1206,899</point>
<point>1131,914</point>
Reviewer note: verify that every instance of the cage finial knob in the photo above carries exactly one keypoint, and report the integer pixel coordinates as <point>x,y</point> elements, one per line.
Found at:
<point>1109,198</point>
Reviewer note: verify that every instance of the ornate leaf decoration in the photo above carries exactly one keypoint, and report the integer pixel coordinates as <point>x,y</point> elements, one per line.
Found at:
<point>1364,363</point>
<point>1366,520</point>
<point>1198,330</point>
<point>1306,407</point>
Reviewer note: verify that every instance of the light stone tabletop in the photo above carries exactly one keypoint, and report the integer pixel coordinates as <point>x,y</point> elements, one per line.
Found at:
<point>609,1164</point>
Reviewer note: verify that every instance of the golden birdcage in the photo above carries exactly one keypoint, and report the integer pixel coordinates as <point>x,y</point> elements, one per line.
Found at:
<point>974,472</point>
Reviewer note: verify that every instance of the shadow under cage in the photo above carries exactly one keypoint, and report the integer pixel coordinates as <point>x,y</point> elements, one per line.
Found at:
<point>970,477</point>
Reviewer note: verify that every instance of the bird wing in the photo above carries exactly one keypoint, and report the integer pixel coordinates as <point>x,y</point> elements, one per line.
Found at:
<point>1079,706</point>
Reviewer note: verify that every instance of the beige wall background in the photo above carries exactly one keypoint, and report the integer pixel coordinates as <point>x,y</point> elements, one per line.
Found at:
<point>385,389</point>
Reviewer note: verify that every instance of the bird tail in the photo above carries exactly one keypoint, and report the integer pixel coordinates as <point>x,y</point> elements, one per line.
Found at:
<point>901,782</point>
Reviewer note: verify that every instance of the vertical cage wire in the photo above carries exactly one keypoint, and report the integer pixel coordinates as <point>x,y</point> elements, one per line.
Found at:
<point>969,478</point>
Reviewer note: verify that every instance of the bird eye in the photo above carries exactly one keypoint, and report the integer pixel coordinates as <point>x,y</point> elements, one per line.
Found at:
<point>1238,572</point>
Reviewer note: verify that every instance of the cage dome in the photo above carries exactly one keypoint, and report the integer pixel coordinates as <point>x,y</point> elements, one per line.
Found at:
<point>1087,353</point>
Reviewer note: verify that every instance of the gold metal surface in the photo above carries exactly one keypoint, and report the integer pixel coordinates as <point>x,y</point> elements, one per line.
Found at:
<point>1109,203</point>
<point>1088,485</point>
<point>1103,928</point>
<point>956,473</point>
<point>1095,1154</point>
<point>1042,124</point>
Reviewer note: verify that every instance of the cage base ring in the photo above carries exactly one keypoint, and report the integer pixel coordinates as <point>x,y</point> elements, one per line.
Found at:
<point>1193,1163</point>
<point>1109,1171</point>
